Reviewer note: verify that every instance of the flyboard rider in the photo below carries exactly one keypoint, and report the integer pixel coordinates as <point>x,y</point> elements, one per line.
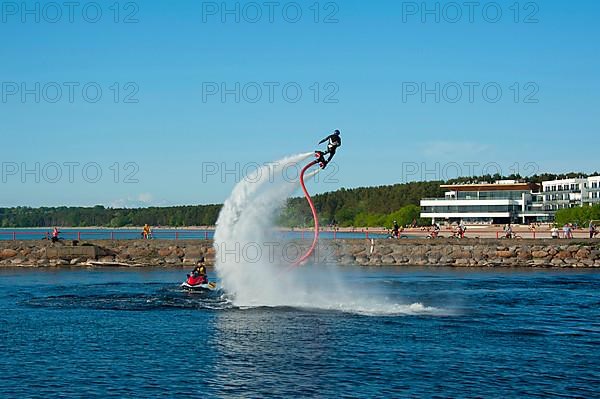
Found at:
<point>334,141</point>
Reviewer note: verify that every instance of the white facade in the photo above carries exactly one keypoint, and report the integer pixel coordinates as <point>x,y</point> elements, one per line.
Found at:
<point>570,193</point>
<point>509,201</point>
<point>484,203</point>
<point>591,193</point>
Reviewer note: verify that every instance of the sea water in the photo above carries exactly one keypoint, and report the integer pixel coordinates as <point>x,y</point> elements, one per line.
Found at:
<point>442,332</point>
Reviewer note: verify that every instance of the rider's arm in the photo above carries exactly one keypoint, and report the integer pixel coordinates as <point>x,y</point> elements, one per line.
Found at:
<point>324,140</point>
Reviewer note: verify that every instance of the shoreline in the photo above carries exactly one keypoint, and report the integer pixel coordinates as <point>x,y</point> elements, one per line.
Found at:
<point>484,253</point>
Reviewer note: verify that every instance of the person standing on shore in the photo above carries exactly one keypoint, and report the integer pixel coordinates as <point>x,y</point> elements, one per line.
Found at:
<point>55,235</point>
<point>592,229</point>
<point>146,232</point>
<point>508,231</point>
<point>396,230</point>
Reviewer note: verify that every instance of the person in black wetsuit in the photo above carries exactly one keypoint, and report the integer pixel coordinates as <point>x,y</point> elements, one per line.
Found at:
<point>335,141</point>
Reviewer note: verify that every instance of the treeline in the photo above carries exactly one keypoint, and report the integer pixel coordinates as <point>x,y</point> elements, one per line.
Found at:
<point>579,215</point>
<point>364,207</point>
<point>360,207</point>
<point>373,206</point>
<point>204,215</point>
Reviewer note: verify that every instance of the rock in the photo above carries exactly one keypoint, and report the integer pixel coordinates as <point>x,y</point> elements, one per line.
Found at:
<point>17,261</point>
<point>557,262</point>
<point>462,262</point>
<point>75,261</point>
<point>445,261</point>
<point>8,253</point>
<point>388,260</point>
<point>563,255</point>
<point>538,262</point>
<point>573,248</point>
<point>400,259</point>
<point>139,252</point>
<point>106,259</point>
<point>349,260</point>
<point>462,254</point>
<point>172,260</point>
<point>539,254</point>
<point>164,252</point>
<point>194,251</point>
<point>524,255</point>
<point>383,250</point>
<point>582,254</point>
<point>362,260</point>
<point>588,262</point>
<point>505,254</point>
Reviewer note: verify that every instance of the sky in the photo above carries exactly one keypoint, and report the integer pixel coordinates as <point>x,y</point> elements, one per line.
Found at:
<point>157,103</point>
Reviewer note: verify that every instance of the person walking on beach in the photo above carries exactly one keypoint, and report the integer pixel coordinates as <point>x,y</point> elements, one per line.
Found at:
<point>567,231</point>
<point>335,141</point>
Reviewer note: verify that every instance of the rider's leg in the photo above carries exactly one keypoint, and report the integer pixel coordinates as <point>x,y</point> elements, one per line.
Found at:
<point>331,153</point>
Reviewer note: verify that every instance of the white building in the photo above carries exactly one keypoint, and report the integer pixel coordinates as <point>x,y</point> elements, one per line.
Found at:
<point>509,201</point>
<point>501,202</point>
<point>570,193</point>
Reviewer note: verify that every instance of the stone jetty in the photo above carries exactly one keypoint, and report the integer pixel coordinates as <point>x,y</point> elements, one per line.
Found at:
<point>362,252</point>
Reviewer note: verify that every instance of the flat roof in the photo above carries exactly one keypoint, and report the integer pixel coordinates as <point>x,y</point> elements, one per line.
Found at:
<point>492,187</point>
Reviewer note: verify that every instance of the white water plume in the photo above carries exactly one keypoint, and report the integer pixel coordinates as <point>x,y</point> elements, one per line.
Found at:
<point>249,254</point>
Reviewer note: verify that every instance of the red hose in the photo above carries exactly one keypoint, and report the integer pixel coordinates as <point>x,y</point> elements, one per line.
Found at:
<point>314,213</point>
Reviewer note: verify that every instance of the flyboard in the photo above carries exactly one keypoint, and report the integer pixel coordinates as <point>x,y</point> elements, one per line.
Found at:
<point>320,160</point>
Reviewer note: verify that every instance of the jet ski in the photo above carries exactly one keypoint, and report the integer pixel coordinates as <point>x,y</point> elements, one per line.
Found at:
<point>198,284</point>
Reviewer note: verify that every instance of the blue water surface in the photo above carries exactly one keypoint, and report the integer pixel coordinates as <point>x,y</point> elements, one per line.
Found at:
<point>36,234</point>
<point>132,333</point>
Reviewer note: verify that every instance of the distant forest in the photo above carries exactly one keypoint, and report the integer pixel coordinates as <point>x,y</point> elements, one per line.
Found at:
<point>367,206</point>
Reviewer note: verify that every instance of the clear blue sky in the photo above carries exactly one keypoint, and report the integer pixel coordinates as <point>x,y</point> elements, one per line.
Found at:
<point>374,57</point>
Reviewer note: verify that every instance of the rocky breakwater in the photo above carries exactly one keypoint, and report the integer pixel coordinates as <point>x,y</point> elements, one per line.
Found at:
<point>440,252</point>
<point>466,253</point>
<point>105,253</point>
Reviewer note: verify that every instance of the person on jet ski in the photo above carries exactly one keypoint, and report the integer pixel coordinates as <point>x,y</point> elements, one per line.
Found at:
<point>335,141</point>
<point>198,276</point>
